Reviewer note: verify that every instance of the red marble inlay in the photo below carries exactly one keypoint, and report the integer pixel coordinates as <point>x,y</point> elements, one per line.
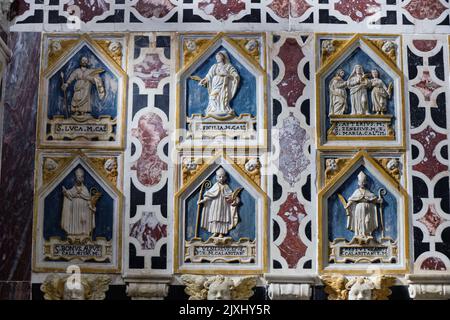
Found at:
<point>432,220</point>
<point>18,8</point>
<point>425,9</point>
<point>357,10</point>
<point>425,45</point>
<point>426,85</point>
<point>149,166</point>
<point>221,9</point>
<point>429,165</point>
<point>148,230</point>
<point>292,212</point>
<point>291,87</point>
<point>433,263</point>
<point>296,8</point>
<point>151,70</point>
<point>153,8</point>
<point>89,9</point>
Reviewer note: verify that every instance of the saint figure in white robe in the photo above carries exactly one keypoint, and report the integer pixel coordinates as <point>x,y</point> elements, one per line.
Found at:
<point>78,211</point>
<point>380,93</point>
<point>362,212</point>
<point>222,81</point>
<point>220,210</point>
<point>338,93</point>
<point>358,84</point>
<point>84,78</point>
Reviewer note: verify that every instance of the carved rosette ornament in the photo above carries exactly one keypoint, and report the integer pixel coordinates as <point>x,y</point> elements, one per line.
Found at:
<point>218,287</point>
<point>339,287</point>
<point>75,287</point>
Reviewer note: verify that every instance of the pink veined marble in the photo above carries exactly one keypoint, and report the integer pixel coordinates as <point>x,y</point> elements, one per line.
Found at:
<point>426,85</point>
<point>149,166</point>
<point>221,9</point>
<point>357,10</point>
<point>432,220</point>
<point>154,8</point>
<point>425,45</point>
<point>296,8</point>
<point>292,159</point>
<point>148,231</point>
<point>151,70</point>
<point>429,166</point>
<point>425,9</point>
<point>291,87</point>
<point>292,212</point>
<point>433,263</point>
<point>89,9</point>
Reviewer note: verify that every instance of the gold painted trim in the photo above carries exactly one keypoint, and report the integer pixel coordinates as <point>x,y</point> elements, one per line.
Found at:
<point>360,37</point>
<point>221,36</point>
<point>362,154</point>
<point>42,118</point>
<point>177,239</point>
<point>37,193</point>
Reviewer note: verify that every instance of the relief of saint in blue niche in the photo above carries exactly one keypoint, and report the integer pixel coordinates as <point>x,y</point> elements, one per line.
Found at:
<point>83,88</point>
<point>220,208</point>
<point>221,87</point>
<point>78,208</point>
<point>361,211</point>
<point>359,86</point>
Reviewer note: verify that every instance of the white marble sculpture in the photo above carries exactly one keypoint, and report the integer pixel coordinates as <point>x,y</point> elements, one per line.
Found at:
<point>222,81</point>
<point>79,206</point>
<point>218,287</point>
<point>338,93</point>
<point>84,77</point>
<point>220,206</point>
<point>361,211</point>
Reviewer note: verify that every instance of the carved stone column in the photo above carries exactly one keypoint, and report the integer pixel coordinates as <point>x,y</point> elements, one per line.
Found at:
<point>429,287</point>
<point>287,287</point>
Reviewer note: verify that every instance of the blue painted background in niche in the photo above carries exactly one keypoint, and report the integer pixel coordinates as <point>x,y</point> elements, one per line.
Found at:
<point>106,106</point>
<point>53,207</point>
<point>243,102</point>
<point>359,57</point>
<point>247,213</point>
<point>337,220</point>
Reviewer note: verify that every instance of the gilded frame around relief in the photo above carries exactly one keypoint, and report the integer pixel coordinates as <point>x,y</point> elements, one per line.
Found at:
<point>349,41</point>
<point>261,140</point>
<point>322,248</point>
<point>261,229</point>
<point>49,65</point>
<point>68,159</point>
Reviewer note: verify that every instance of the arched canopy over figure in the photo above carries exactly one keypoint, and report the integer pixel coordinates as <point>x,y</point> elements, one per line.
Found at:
<point>362,212</point>
<point>222,81</point>
<point>220,211</point>
<point>358,84</point>
<point>338,93</point>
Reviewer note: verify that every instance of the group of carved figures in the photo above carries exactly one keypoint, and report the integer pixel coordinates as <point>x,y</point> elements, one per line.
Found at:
<point>358,84</point>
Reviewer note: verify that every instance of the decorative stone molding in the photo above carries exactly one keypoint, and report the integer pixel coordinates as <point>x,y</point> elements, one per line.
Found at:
<point>75,287</point>
<point>147,291</point>
<point>429,287</point>
<point>289,291</point>
<point>286,287</point>
<point>339,287</point>
<point>218,287</point>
